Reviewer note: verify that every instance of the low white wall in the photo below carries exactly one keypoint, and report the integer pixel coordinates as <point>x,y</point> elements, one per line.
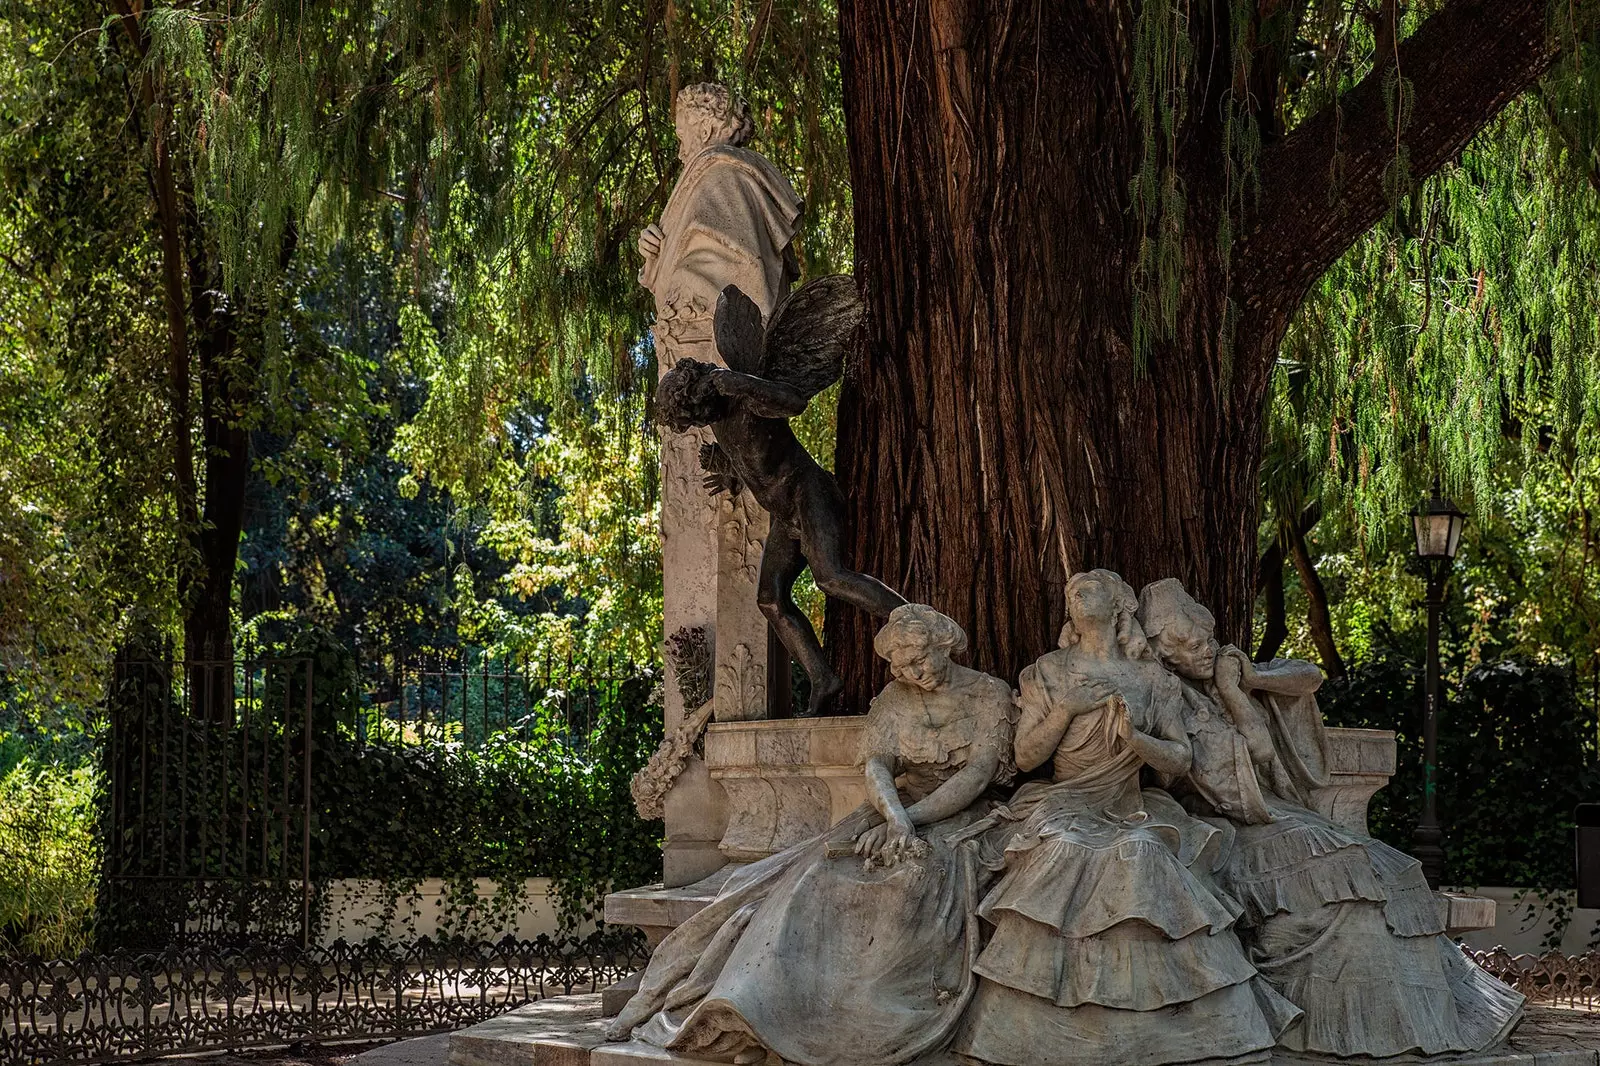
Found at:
<point>1523,921</point>
<point>355,911</point>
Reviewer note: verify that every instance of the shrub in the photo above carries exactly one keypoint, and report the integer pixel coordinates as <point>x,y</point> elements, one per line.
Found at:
<point>1517,752</point>
<point>49,858</point>
<point>525,805</point>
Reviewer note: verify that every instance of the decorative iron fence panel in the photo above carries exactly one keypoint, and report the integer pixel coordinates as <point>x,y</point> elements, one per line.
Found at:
<point>208,769</point>
<point>1554,978</point>
<point>125,1006</point>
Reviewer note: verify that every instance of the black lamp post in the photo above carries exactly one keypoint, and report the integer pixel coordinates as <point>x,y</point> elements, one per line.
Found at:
<point>1437,524</point>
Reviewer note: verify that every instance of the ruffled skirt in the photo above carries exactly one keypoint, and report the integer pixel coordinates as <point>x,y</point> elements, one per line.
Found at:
<point>1111,944</point>
<point>1346,928</point>
<point>823,960</point>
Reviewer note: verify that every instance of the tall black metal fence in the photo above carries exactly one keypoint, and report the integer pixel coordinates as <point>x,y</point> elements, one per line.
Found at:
<point>208,769</point>
<point>211,826</point>
<point>470,699</point>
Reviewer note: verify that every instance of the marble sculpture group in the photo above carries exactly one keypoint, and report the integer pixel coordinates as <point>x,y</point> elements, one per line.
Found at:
<point>1157,890</point>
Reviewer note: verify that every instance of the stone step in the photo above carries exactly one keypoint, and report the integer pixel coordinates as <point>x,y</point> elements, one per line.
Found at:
<point>569,1031</point>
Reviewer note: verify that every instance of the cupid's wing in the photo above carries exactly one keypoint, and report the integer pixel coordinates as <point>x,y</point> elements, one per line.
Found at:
<point>738,330</point>
<point>811,333</point>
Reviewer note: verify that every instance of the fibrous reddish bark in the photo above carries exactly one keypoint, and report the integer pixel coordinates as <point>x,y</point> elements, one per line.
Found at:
<point>995,433</point>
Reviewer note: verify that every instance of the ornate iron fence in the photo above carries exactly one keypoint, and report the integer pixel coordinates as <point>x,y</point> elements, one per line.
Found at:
<point>126,1006</point>
<point>1553,978</point>
<point>471,698</point>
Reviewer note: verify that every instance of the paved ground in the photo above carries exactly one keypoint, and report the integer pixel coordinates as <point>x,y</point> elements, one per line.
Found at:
<point>1550,1035</point>
<point>422,1051</point>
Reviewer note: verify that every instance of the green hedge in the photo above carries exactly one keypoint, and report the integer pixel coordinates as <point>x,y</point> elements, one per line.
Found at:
<point>1517,752</point>
<point>550,799</point>
<point>543,805</point>
<point>49,858</point>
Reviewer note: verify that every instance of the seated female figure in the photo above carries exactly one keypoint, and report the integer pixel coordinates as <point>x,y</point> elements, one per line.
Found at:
<point>856,946</point>
<point>1111,945</point>
<point>1344,926</point>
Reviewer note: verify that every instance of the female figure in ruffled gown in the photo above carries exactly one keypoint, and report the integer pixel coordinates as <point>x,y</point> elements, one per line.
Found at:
<point>1111,944</point>
<point>1344,926</point>
<point>857,946</point>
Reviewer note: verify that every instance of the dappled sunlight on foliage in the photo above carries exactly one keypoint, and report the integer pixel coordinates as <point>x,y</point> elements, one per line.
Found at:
<point>49,859</point>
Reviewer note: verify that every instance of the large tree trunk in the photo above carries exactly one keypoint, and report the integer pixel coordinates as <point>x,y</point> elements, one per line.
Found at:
<point>227,387</point>
<point>997,434</point>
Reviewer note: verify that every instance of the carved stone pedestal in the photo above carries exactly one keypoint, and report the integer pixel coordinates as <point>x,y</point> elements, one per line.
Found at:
<point>786,780</point>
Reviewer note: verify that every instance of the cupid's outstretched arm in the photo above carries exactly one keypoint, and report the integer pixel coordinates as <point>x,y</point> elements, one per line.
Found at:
<point>764,397</point>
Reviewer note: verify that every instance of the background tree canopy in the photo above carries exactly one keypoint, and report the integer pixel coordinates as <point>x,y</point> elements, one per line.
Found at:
<point>327,312</point>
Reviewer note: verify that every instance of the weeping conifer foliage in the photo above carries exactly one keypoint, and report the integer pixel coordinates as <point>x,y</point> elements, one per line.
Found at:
<point>515,150</point>
<point>1462,332</point>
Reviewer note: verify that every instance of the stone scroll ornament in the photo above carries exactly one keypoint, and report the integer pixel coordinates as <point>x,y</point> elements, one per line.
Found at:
<point>771,375</point>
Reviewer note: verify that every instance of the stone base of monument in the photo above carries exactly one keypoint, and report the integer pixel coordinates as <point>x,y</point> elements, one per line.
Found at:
<point>570,1031</point>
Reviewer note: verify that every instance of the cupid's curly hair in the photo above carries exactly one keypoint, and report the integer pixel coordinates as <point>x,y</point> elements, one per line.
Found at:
<point>724,112</point>
<point>686,398</point>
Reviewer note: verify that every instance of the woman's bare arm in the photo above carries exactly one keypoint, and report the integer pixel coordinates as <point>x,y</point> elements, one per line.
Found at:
<point>1046,713</point>
<point>959,791</point>
<point>881,793</point>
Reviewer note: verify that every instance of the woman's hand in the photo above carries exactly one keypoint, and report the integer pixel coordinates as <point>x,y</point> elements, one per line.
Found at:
<point>1239,666</point>
<point>1126,731</point>
<point>1086,693</point>
<point>888,842</point>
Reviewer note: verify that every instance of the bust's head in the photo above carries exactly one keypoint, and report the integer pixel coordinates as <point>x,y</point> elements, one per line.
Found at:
<point>1181,631</point>
<point>707,114</point>
<point>918,642</point>
<point>687,397</point>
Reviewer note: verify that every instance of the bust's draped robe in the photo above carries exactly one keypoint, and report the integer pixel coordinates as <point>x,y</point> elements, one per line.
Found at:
<point>730,221</point>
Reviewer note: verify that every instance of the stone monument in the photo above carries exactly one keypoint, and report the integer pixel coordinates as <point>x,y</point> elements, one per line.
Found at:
<point>1187,878</point>
<point>1119,911</point>
<point>1128,906</point>
<point>730,220</point>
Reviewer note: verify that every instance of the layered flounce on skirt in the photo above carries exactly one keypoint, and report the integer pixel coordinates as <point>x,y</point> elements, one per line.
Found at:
<point>825,960</point>
<point>1346,928</point>
<point>1110,941</point>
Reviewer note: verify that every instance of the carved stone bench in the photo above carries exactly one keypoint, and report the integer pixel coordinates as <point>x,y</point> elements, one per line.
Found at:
<point>787,780</point>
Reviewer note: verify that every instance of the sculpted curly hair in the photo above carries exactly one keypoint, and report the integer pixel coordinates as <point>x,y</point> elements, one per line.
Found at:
<point>1129,633</point>
<point>721,114</point>
<point>686,397</point>
<point>920,625</point>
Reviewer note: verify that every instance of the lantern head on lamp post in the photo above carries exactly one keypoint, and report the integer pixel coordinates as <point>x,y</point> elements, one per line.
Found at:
<point>1437,524</point>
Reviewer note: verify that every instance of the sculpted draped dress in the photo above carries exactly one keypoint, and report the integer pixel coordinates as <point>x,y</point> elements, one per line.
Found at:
<point>1342,925</point>
<point>1111,942</point>
<point>822,957</point>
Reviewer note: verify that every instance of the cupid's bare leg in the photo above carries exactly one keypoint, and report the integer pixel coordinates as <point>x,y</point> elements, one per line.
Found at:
<point>821,517</point>
<point>781,564</point>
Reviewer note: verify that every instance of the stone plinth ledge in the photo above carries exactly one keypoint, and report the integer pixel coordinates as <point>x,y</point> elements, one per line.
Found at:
<point>568,1031</point>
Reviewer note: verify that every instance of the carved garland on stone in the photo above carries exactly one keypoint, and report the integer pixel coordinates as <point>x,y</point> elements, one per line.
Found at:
<point>689,653</point>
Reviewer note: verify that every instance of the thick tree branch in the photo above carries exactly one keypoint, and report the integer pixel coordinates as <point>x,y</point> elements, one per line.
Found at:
<point>1331,179</point>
